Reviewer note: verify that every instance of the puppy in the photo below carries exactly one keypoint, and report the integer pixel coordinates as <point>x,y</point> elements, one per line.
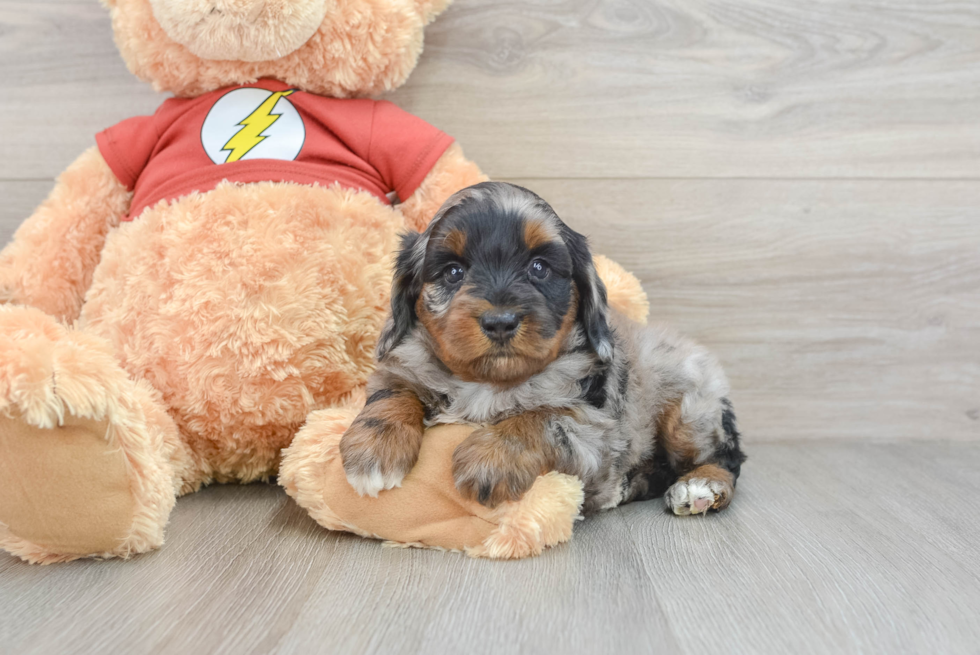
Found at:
<point>498,319</point>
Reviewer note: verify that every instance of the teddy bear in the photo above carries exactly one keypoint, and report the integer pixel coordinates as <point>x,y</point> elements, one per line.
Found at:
<point>199,297</point>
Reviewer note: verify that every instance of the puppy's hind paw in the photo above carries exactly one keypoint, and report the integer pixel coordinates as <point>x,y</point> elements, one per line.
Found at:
<point>697,496</point>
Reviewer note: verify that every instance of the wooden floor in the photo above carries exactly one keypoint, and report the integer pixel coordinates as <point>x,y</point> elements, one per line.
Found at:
<point>796,183</point>
<point>829,547</point>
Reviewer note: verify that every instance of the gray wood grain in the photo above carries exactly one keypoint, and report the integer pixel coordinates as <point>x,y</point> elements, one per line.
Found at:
<point>708,88</point>
<point>597,88</point>
<point>840,547</point>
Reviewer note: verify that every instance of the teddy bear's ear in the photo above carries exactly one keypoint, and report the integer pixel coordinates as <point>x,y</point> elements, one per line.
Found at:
<point>431,8</point>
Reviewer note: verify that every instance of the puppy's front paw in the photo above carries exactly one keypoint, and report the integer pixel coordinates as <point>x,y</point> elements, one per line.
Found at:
<point>377,454</point>
<point>492,467</point>
<point>697,496</point>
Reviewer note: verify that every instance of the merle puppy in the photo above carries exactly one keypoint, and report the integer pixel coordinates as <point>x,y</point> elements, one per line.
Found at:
<point>499,320</point>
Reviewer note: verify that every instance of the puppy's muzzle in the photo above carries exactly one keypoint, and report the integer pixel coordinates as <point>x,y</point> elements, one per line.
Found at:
<point>500,324</point>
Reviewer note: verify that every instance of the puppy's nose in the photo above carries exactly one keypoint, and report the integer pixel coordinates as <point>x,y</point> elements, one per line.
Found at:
<point>499,324</point>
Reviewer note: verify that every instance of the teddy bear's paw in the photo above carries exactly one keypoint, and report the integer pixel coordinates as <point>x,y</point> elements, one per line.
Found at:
<point>82,471</point>
<point>65,492</point>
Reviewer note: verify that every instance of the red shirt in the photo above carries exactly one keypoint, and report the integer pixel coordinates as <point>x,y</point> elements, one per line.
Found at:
<point>269,132</point>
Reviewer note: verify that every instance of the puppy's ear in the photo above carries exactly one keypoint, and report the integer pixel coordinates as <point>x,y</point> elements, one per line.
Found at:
<point>405,290</point>
<point>593,306</point>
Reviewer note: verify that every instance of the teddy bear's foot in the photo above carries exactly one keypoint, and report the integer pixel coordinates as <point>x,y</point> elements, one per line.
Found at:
<point>427,510</point>
<point>87,464</point>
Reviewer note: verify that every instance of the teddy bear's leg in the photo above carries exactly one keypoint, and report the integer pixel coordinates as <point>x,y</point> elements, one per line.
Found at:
<point>426,510</point>
<point>90,461</point>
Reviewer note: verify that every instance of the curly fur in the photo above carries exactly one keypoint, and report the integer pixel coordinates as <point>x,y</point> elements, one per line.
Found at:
<point>249,30</point>
<point>50,262</point>
<point>250,310</point>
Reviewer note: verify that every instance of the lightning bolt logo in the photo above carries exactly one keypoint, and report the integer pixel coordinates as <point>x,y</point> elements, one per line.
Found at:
<point>253,126</point>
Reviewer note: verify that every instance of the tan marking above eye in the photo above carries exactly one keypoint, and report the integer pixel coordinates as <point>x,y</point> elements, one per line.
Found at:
<point>455,240</point>
<point>539,233</point>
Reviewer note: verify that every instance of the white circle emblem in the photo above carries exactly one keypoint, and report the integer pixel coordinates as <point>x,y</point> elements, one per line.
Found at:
<point>253,123</point>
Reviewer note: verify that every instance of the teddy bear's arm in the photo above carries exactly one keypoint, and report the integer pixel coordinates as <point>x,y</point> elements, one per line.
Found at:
<point>431,8</point>
<point>451,173</point>
<point>50,261</point>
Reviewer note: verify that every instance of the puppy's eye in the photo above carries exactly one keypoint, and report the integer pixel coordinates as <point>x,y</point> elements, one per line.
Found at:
<point>454,273</point>
<point>539,269</point>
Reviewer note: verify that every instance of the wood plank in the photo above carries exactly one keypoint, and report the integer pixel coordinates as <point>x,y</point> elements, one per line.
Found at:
<point>589,88</point>
<point>834,549</point>
<point>707,88</point>
<point>64,81</point>
<point>829,547</point>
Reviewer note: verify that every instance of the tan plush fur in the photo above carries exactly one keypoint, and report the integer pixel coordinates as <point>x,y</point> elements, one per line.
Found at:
<point>261,30</point>
<point>623,288</point>
<point>49,263</point>
<point>431,8</point>
<point>252,309</point>
<point>205,333</point>
<point>543,517</point>
<point>48,371</point>
<point>362,48</point>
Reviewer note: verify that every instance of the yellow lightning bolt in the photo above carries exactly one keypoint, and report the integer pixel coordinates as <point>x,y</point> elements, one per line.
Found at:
<point>253,126</point>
